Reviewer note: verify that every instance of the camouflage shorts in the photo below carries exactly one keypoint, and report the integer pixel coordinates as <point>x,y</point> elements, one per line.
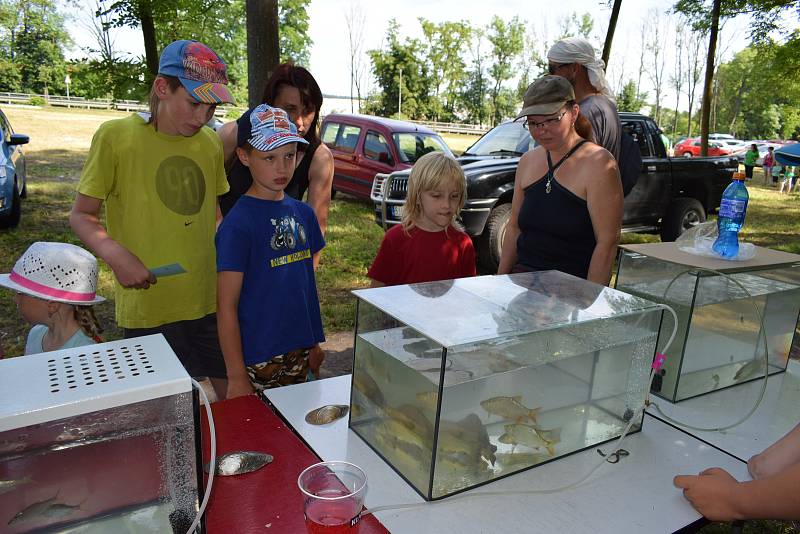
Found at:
<point>283,370</point>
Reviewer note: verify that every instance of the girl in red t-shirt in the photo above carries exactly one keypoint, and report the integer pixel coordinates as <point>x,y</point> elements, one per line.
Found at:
<point>428,245</point>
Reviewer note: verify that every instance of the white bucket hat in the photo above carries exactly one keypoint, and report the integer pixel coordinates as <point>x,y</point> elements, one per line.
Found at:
<point>55,271</point>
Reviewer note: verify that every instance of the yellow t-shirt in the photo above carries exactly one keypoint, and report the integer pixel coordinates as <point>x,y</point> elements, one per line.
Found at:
<point>160,193</point>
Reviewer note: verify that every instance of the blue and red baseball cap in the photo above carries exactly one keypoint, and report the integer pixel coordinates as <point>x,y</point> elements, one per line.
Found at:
<point>200,70</point>
<point>271,128</point>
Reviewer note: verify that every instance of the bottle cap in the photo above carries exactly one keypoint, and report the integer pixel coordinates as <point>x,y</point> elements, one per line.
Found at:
<point>739,176</point>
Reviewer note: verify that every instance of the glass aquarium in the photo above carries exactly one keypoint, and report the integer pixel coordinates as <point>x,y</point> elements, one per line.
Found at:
<point>460,382</point>
<point>720,337</point>
<point>98,439</point>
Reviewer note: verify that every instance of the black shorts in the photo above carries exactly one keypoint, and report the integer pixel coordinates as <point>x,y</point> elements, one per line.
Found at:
<point>195,342</point>
<point>748,171</point>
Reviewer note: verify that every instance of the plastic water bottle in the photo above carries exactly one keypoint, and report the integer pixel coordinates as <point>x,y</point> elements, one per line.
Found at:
<point>732,210</point>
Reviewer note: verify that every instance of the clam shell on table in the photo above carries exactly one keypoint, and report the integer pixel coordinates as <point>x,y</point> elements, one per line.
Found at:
<point>239,463</point>
<point>326,414</point>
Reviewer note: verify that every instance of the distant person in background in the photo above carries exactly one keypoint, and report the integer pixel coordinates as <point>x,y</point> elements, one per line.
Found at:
<point>574,59</point>
<point>767,164</point>
<point>294,90</point>
<point>787,179</point>
<point>750,158</point>
<point>55,286</point>
<point>564,215</point>
<point>772,494</point>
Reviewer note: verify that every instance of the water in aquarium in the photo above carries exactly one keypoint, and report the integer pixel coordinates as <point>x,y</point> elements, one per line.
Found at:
<point>125,469</point>
<point>720,340</point>
<point>488,409</point>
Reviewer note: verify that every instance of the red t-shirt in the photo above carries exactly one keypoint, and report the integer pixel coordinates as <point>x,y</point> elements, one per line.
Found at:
<point>422,256</point>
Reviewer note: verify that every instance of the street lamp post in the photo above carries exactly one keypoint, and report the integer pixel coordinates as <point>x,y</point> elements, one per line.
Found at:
<point>400,95</point>
<point>67,81</point>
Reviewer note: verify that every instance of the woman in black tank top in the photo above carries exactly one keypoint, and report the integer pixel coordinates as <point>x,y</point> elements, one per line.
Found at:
<point>294,90</point>
<point>564,215</point>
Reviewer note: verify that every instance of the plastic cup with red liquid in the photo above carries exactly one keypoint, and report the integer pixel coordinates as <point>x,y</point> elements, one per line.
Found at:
<point>333,497</point>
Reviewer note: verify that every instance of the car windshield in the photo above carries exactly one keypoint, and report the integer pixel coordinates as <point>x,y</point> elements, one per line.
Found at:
<point>507,139</point>
<point>413,145</point>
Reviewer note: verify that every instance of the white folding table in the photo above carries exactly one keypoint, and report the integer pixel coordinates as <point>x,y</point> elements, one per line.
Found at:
<point>634,495</point>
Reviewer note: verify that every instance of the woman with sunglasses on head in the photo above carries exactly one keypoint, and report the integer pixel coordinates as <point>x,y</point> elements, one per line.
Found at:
<point>567,207</point>
<point>294,90</point>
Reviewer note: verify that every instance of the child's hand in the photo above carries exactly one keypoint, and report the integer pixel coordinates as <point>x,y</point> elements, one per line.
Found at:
<point>239,388</point>
<point>713,493</point>
<point>129,270</point>
<point>315,358</point>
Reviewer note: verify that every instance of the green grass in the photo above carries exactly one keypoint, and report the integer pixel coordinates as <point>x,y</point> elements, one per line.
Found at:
<point>458,143</point>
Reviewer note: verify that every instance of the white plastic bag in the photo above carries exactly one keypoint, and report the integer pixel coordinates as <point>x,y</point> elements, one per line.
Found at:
<point>699,240</point>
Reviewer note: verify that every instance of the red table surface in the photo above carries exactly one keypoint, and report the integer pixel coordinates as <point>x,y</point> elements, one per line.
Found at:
<point>267,500</point>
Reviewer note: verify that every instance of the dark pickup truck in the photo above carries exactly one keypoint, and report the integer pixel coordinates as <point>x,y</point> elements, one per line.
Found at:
<point>672,194</point>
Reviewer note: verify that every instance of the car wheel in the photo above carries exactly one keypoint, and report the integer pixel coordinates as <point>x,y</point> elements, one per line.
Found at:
<point>490,244</point>
<point>687,154</point>
<point>11,219</point>
<point>682,214</point>
<point>23,193</point>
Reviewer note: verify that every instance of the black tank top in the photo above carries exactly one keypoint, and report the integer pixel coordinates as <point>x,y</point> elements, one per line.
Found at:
<point>556,231</point>
<point>240,179</point>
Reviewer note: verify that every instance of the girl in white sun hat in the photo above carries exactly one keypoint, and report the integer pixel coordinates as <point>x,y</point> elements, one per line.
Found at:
<point>56,286</point>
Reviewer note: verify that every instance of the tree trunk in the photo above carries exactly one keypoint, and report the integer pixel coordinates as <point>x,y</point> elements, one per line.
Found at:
<point>263,49</point>
<point>150,45</point>
<point>612,26</point>
<point>737,104</point>
<point>712,50</point>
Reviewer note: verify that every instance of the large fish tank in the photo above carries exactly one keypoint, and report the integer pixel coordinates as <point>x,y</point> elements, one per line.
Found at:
<point>461,382</point>
<point>720,338</point>
<point>98,439</point>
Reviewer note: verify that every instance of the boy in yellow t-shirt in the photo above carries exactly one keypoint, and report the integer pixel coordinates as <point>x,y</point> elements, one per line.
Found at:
<point>159,176</point>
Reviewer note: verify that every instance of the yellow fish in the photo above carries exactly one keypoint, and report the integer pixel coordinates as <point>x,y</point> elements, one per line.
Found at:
<point>510,408</point>
<point>520,434</point>
<point>428,399</point>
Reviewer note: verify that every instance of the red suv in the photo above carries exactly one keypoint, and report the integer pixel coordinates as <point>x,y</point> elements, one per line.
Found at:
<point>363,146</point>
<point>691,148</point>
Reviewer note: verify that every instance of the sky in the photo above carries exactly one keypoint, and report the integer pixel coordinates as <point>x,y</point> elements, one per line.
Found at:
<point>330,50</point>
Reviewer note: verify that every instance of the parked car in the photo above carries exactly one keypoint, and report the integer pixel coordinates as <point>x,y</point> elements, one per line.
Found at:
<point>690,148</point>
<point>13,184</point>
<point>671,196</point>
<point>363,146</point>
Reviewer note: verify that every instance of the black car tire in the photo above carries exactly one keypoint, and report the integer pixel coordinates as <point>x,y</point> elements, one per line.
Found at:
<point>11,219</point>
<point>24,191</point>
<point>681,215</point>
<point>490,243</point>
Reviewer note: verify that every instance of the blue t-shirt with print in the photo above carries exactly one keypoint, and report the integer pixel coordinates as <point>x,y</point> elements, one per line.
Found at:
<point>272,243</point>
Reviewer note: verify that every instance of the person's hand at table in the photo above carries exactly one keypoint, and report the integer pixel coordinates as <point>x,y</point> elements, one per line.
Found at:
<point>714,493</point>
<point>315,358</point>
<point>239,387</point>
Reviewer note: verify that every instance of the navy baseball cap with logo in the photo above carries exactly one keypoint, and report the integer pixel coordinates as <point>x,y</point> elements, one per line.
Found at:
<point>271,128</point>
<point>201,71</point>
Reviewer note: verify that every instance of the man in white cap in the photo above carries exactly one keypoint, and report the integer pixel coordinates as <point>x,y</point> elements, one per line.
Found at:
<point>574,59</point>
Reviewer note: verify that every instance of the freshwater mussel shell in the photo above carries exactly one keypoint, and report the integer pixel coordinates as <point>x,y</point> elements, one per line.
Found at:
<point>326,414</point>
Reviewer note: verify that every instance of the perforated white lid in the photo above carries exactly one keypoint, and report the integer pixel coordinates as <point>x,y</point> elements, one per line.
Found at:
<point>64,383</point>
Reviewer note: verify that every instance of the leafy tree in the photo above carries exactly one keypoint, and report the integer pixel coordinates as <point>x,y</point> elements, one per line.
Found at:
<point>629,100</point>
<point>401,61</point>
<point>473,95</point>
<point>507,43</point>
<point>31,45</point>
<point>447,67</point>
<point>294,39</point>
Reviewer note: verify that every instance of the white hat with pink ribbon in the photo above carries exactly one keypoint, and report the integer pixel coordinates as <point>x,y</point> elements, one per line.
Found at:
<point>59,272</point>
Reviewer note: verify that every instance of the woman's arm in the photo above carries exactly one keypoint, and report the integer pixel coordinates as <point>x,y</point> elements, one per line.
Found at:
<point>228,133</point>
<point>508,254</point>
<point>229,287</point>
<point>604,201</point>
<point>320,181</point>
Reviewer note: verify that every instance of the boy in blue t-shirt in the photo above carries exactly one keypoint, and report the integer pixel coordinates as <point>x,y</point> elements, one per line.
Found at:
<point>268,310</point>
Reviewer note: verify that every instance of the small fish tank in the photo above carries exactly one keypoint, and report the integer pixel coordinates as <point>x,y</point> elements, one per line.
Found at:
<point>98,439</point>
<point>461,382</point>
<point>720,338</point>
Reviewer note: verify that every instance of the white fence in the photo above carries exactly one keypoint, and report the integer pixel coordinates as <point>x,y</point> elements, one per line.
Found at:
<point>83,103</point>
